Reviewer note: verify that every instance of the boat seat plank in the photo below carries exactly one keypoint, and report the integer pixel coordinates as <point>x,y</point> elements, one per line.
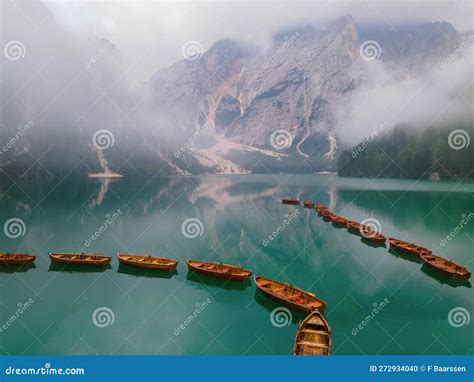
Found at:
<point>312,344</point>
<point>315,331</point>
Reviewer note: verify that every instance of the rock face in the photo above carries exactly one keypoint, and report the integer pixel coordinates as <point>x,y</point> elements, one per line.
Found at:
<point>246,95</point>
<point>223,111</point>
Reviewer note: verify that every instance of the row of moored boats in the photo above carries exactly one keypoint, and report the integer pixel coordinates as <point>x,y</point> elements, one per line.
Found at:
<point>439,264</point>
<point>313,336</point>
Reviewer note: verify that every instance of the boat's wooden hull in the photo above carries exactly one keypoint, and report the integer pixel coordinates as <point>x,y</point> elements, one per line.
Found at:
<point>308,204</point>
<point>244,276</point>
<point>373,236</point>
<point>365,232</point>
<point>353,227</point>
<point>289,304</point>
<point>380,239</point>
<point>79,259</point>
<point>305,308</point>
<point>327,215</point>
<point>294,202</point>
<point>407,248</point>
<point>313,336</point>
<point>460,273</point>
<point>340,221</point>
<point>12,259</point>
<point>146,263</point>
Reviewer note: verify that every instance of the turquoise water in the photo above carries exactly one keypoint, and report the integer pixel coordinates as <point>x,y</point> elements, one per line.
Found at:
<point>149,313</point>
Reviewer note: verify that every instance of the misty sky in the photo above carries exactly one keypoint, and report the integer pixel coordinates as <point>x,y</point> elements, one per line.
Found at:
<point>150,35</point>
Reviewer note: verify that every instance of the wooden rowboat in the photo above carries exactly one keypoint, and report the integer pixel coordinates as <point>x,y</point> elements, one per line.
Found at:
<point>289,295</point>
<point>339,220</point>
<point>147,262</point>
<point>219,270</point>
<point>327,215</point>
<point>320,209</point>
<point>365,231</point>
<point>371,234</point>
<point>79,258</point>
<point>410,248</point>
<point>296,202</point>
<point>308,204</point>
<point>374,236</point>
<point>313,336</point>
<point>353,226</point>
<point>446,266</point>
<point>16,258</point>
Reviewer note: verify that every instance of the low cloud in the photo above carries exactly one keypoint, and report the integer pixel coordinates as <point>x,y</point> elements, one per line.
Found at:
<point>440,96</point>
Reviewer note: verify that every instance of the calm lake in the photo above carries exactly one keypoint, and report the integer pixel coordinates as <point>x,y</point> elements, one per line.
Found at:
<point>378,302</point>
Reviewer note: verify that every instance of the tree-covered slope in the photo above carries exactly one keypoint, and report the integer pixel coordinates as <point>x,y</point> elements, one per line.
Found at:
<point>409,153</point>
